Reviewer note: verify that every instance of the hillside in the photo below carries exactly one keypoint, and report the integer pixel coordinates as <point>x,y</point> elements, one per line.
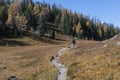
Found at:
<point>30,61</point>
<point>35,43</point>
<point>25,17</point>
<point>87,60</point>
<point>90,60</point>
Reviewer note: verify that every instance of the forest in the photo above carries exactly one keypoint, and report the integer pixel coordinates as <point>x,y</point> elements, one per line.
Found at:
<point>25,17</point>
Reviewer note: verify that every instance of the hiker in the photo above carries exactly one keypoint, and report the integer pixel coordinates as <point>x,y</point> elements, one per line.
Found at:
<point>73,43</point>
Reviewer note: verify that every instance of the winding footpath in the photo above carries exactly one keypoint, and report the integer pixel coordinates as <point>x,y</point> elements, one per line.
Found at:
<point>62,70</point>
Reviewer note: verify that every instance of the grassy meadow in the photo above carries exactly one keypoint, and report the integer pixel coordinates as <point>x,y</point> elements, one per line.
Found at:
<point>28,59</point>
<point>92,60</point>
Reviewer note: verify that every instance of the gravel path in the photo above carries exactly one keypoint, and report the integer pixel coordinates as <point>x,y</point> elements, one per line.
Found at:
<point>62,70</point>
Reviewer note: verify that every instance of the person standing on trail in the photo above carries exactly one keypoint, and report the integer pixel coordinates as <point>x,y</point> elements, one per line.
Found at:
<point>73,43</point>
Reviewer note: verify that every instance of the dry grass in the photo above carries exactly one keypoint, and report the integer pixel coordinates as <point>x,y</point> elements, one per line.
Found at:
<point>89,60</point>
<point>28,62</point>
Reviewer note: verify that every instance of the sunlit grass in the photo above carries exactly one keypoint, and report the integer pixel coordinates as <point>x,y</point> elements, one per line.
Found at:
<point>89,60</point>
<point>28,62</point>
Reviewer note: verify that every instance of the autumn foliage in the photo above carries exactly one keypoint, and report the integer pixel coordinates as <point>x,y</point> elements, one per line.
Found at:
<point>19,17</point>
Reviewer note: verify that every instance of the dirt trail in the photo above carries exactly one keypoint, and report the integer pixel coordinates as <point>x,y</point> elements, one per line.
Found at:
<point>62,70</point>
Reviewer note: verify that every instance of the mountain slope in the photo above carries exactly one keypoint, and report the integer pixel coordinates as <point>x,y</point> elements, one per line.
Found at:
<point>30,61</point>
<point>91,60</point>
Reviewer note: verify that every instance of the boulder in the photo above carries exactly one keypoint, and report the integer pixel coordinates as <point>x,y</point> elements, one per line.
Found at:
<point>118,43</point>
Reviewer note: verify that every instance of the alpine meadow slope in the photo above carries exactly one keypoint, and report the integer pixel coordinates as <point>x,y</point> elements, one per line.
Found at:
<point>31,33</point>
<point>92,60</point>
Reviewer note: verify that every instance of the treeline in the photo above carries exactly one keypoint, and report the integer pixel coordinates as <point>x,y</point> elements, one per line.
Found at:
<point>18,17</point>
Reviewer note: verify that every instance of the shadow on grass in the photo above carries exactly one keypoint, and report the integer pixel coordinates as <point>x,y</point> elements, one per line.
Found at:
<point>13,43</point>
<point>48,40</point>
